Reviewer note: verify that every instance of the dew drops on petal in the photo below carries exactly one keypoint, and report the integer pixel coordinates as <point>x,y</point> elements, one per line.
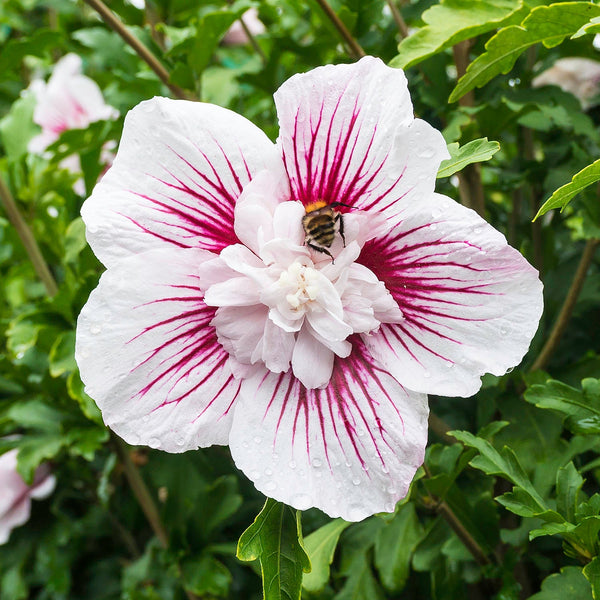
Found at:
<point>270,486</point>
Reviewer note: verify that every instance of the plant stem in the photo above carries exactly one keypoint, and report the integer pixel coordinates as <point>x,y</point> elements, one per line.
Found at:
<point>31,247</point>
<point>470,543</point>
<point>141,492</point>
<point>440,428</point>
<point>470,186</point>
<point>141,50</point>
<point>567,308</point>
<point>400,22</point>
<point>355,49</point>
<point>253,41</point>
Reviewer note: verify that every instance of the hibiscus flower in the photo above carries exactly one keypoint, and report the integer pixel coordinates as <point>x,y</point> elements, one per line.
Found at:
<point>15,499</point>
<point>215,322</point>
<point>69,100</point>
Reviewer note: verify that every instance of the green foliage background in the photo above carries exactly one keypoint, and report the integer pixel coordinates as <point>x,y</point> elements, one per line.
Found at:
<point>506,506</point>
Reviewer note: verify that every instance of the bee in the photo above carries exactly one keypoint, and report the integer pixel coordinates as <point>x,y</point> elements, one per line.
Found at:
<point>320,224</point>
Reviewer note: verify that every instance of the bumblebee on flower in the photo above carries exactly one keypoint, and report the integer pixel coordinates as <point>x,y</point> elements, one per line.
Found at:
<point>295,300</point>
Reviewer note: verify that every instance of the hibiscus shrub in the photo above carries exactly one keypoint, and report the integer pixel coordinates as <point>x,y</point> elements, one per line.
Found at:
<point>288,306</point>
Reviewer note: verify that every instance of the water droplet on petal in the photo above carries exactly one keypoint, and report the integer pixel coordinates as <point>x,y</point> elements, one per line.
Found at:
<point>426,374</point>
<point>389,507</point>
<point>154,442</point>
<point>292,464</point>
<point>436,212</point>
<point>95,329</point>
<point>355,481</point>
<point>316,463</point>
<point>257,440</point>
<point>268,472</point>
<point>255,475</point>
<point>385,469</point>
<point>245,444</point>
<point>270,486</point>
<point>145,418</point>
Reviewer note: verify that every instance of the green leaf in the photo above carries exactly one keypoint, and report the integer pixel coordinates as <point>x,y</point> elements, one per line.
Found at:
<point>450,22</point>
<point>581,408</point>
<point>568,486</point>
<point>62,354</point>
<point>569,583</point>
<point>592,574</point>
<point>491,462</point>
<point>75,240</point>
<point>275,539</point>
<point>87,405</point>
<point>320,547</point>
<point>521,503</point>
<point>17,127</point>
<point>394,547</point>
<point>564,194</point>
<point>210,29</point>
<point>206,576</point>
<point>547,24</point>
<point>472,152</point>
<point>361,584</point>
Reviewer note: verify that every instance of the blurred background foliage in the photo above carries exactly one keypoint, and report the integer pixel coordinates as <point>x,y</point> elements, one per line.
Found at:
<point>512,512</point>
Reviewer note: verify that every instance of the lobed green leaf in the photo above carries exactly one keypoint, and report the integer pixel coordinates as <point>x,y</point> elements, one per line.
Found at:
<point>320,547</point>
<point>549,25</point>
<point>460,156</point>
<point>564,194</point>
<point>275,539</point>
<point>452,21</point>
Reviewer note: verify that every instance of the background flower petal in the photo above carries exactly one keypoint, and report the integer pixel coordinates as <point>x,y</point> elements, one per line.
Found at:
<point>178,173</point>
<point>471,303</point>
<point>350,449</point>
<point>348,135</point>
<point>149,357</point>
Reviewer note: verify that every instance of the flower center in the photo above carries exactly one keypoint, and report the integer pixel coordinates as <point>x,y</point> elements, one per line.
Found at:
<point>304,280</point>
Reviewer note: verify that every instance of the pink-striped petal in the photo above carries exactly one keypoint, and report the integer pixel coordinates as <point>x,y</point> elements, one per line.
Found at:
<point>175,180</point>
<point>350,449</point>
<point>471,303</point>
<point>149,356</point>
<point>348,135</point>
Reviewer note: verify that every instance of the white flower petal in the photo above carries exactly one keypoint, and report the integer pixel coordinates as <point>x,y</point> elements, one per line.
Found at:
<point>350,449</point>
<point>312,362</point>
<point>257,204</point>
<point>471,303</point>
<point>348,135</point>
<point>179,170</point>
<point>149,357</point>
<point>237,291</point>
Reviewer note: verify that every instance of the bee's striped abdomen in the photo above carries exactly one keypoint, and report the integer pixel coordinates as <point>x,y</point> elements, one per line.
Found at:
<point>320,229</point>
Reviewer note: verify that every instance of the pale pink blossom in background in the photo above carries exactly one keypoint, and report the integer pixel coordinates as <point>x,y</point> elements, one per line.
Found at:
<point>16,495</point>
<point>575,75</point>
<point>215,323</point>
<point>69,100</point>
<point>236,36</point>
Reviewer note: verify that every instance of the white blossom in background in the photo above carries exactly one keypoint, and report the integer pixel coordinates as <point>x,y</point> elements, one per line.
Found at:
<point>577,76</point>
<point>216,323</point>
<point>236,36</point>
<point>68,100</point>
<point>16,495</point>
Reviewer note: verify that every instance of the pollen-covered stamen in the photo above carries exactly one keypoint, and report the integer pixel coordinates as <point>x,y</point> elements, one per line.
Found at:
<point>305,280</point>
